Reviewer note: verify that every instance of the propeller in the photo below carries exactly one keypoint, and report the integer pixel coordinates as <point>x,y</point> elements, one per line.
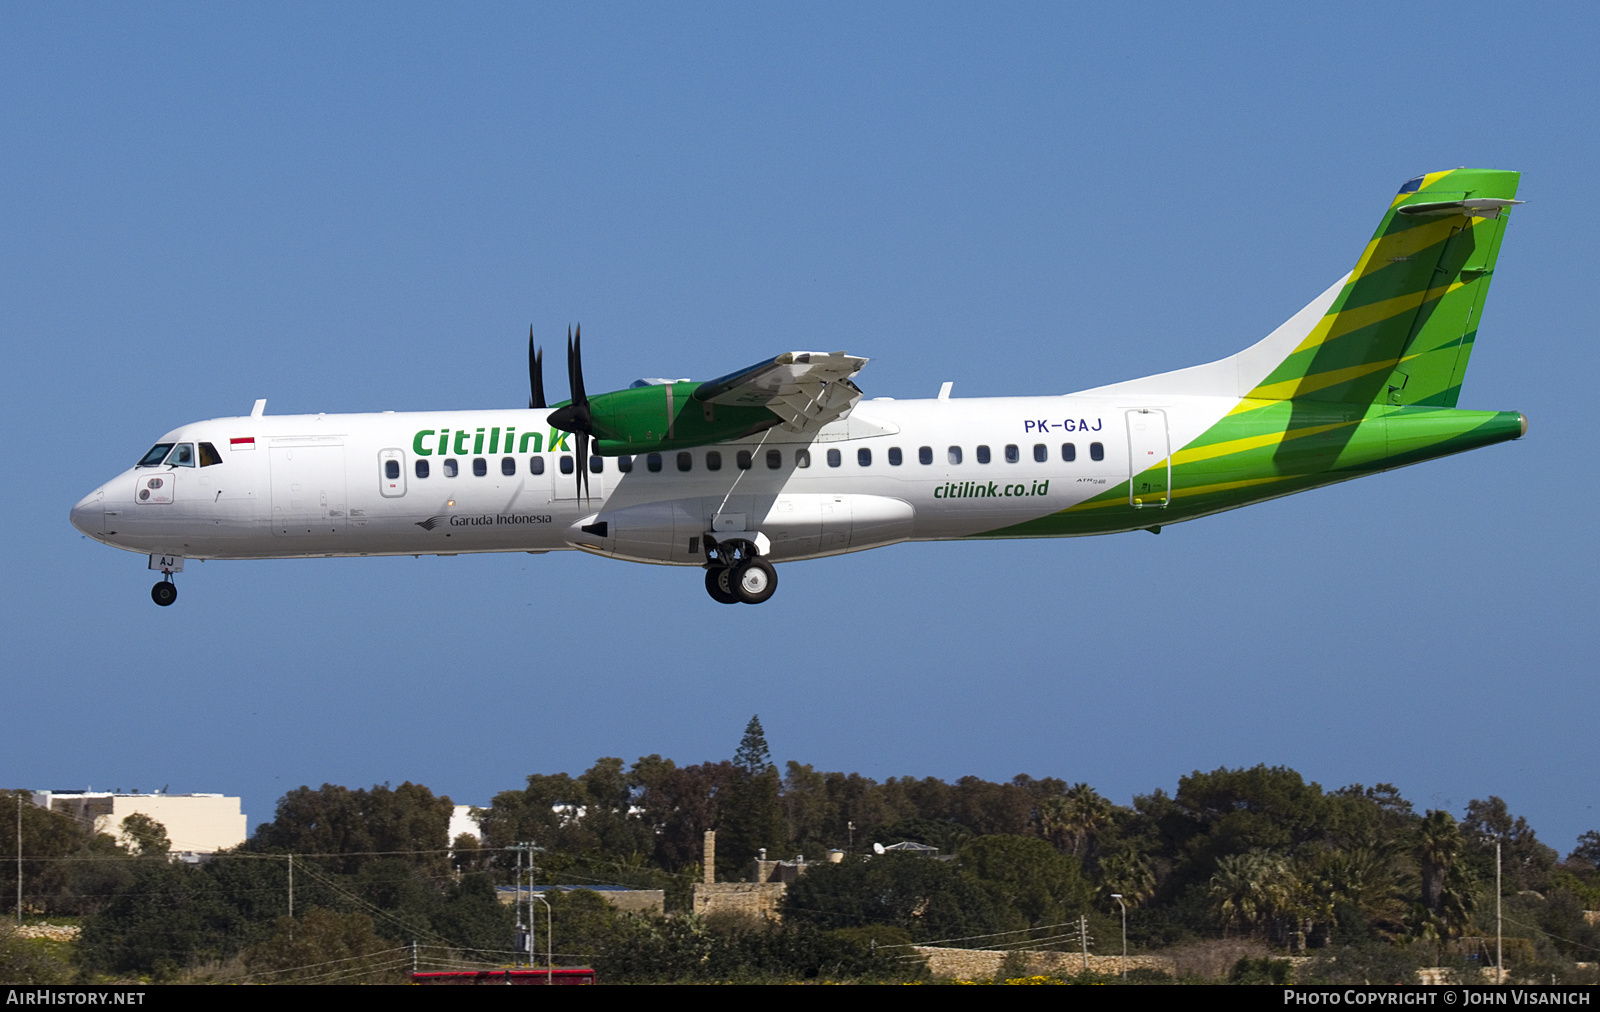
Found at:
<point>575,417</point>
<point>535,374</point>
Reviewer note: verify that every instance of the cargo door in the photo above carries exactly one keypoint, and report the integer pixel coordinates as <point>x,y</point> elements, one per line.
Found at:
<point>308,488</point>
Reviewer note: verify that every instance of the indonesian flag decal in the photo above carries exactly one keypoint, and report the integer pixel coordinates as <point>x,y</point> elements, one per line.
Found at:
<point>242,443</point>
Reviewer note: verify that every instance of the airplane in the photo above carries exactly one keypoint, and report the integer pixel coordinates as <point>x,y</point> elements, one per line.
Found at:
<point>785,461</point>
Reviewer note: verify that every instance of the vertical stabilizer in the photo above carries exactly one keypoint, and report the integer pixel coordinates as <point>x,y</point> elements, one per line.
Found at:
<point>1401,330</point>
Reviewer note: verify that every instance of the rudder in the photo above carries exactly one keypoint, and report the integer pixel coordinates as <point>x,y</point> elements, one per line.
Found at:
<point>1401,330</point>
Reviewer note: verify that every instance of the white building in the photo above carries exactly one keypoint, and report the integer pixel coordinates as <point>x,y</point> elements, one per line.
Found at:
<point>195,823</point>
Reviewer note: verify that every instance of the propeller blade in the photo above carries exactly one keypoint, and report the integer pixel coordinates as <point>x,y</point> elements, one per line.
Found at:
<point>583,465</point>
<point>579,395</point>
<point>535,374</point>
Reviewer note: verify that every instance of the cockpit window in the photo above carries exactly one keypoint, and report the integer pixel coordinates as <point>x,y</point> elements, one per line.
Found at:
<point>157,454</point>
<point>1412,185</point>
<point>182,455</point>
<point>209,455</point>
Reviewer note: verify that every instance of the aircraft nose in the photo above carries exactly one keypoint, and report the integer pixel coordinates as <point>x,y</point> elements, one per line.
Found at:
<point>89,514</point>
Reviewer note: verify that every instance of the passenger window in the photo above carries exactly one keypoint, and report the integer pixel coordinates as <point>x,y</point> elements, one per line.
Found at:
<point>685,460</point>
<point>1069,452</point>
<point>597,464</point>
<point>1041,452</point>
<point>422,468</point>
<point>864,457</point>
<point>566,464</point>
<point>536,465</point>
<point>1097,451</point>
<point>983,454</point>
<point>924,454</point>
<point>391,469</point>
<point>625,464</point>
<point>834,459</point>
<point>653,461</point>
<point>774,459</point>
<point>508,466</point>
<point>480,467</point>
<point>953,455</point>
<point>182,455</point>
<point>450,467</point>
<point>894,456</point>
<point>802,458</point>
<point>713,460</point>
<point>742,458</point>
<point>1012,454</point>
<point>209,455</point>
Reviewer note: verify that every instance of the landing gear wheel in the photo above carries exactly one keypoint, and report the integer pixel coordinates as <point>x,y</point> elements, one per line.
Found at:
<point>754,580</point>
<point>164,593</point>
<point>719,585</point>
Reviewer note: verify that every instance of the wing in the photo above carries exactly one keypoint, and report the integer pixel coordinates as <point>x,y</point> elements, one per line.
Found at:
<point>805,389</point>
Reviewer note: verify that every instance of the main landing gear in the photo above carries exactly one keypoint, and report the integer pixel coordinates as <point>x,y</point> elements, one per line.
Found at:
<point>736,574</point>
<point>165,592</point>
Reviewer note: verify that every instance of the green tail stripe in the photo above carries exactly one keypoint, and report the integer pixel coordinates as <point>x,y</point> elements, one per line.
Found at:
<point>1401,331</point>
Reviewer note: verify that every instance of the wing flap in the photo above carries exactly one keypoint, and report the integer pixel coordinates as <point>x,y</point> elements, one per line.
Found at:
<point>805,389</point>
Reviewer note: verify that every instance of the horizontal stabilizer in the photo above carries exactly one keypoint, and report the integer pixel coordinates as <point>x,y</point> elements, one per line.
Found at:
<point>1477,207</point>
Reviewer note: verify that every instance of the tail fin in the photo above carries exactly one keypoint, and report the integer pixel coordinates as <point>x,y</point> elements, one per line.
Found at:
<point>1402,328</point>
<point>1399,329</point>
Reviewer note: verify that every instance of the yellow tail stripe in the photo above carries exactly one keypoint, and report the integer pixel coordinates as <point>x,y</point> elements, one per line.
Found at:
<point>1190,455</point>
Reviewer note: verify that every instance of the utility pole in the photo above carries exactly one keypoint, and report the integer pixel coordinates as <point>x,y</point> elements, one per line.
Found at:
<point>291,886</point>
<point>19,858</point>
<point>1083,939</point>
<point>1500,939</point>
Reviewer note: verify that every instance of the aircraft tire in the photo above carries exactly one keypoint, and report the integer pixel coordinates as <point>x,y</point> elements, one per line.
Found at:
<point>717,585</point>
<point>754,580</point>
<point>164,593</point>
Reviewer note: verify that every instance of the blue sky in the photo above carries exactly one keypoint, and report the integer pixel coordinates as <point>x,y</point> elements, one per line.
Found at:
<point>351,209</point>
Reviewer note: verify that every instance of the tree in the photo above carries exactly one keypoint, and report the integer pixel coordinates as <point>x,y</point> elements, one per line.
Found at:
<point>351,827</point>
<point>47,836</point>
<point>1446,885</point>
<point>752,756</point>
<point>928,898</point>
<point>167,917</point>
<point>1248,890</point>
<point>1072,821</point>
<point>1588,849</point>
<point>682,803</point>
<point>1027,875</point>
<point>1126,873</point>
<point>144,836</point>
<point>752,819</point>
<point>1527,863</point>
<point>325,947</point>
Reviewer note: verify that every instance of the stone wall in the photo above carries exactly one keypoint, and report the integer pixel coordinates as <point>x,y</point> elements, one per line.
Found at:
<point>753,899</point>
<point>983,964</point>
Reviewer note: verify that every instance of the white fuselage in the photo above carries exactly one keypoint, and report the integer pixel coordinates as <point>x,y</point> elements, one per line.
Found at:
<point>350,484</point>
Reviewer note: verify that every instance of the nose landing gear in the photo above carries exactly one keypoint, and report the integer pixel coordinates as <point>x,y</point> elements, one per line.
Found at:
<point>165,592</point>
<point>737,574</point>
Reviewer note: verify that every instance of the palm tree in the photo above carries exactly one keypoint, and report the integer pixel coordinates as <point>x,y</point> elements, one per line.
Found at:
<point>1250,890</point>
<point>1446,884</point>
<point>1437,850</point>
<point>1073,820</point>
<point>1128,874</point>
